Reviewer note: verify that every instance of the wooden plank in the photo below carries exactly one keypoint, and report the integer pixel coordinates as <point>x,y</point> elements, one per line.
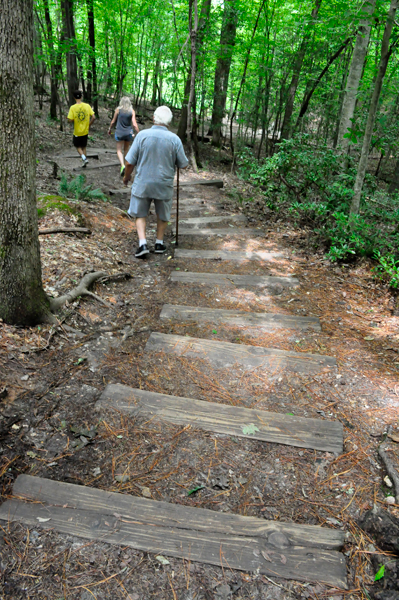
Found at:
<point>275,284</point>
<point>229,551</point>
<point>218,183</point>
<point>226,255</point>
<point>264,321</point>
<point>225,354</point>
<point>173,515</point>
<point>95,156</point>
<point>226,231</point>
<point>200,222</point>
<point>290,430</point>
<point>100,166</point>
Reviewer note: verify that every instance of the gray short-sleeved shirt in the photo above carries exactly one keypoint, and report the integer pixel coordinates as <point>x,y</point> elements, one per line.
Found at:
<point>155,152</point>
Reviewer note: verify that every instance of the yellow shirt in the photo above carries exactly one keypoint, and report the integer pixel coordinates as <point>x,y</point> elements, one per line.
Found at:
<point>80,114</point>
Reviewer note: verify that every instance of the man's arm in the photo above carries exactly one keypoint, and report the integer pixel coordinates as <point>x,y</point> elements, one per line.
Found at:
<point>92,119</point>
<point>128,171</point>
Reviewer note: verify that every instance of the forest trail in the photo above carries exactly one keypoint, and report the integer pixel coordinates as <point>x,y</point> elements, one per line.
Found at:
<point>290,558</point>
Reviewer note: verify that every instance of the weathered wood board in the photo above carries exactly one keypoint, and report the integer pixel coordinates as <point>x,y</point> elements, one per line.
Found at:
<point>225,354</point>
<point>218,183</point>
<point>173,530</point>
<point>173,515</point>
<point>200,222</point>
<point>275,285</point>
<point>95,156</point>
<point>100,166</point>
<point>241,318</point>
<point>227,255</point>
<point>225,231</point>
<point>220,418</point>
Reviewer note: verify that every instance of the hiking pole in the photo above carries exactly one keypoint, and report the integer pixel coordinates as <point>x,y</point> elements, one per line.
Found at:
<point>177,208</point>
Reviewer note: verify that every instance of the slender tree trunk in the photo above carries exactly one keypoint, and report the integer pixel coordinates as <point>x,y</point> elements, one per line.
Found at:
<point>384,58</point>
<point>70,39</point>
<point>222,70</point>
<point>203,20</point>
<point>92,79</point>
<point>310,92</point>
<point>53,72</point>
<point>289,107</point>
<point>22,298</point>
<point>354,76</point>
<point>191,100</point>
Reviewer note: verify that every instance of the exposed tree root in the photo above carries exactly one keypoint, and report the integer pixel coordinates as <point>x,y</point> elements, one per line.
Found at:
<point>392,472</point>
<point>81,290</point>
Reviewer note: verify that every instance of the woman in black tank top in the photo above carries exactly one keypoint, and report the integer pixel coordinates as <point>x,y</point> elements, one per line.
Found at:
<point>125,120</point>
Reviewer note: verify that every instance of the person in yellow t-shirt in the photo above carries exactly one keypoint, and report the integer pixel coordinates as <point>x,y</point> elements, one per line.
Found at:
<point>82,116</point>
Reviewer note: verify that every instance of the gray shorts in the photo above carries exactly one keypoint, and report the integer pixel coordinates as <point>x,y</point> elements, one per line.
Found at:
<point>140,207</point>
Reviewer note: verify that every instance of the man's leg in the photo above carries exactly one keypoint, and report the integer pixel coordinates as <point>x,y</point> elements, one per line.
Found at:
<point>161,228</point>
<point>141,223</point>
<point>163,209</point>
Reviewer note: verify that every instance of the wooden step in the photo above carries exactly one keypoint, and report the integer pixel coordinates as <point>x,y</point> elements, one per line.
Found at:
<point>225,231</point>
<point>200,535</point>
<point>225,354</point>
<point>100,166</point>
<point>200,222</point>
<point>240,318</point>
<point>218,183</point>
<point>227,255</point>
<point>95,156</point>
<point>326,436</point>
<point>275,284</point>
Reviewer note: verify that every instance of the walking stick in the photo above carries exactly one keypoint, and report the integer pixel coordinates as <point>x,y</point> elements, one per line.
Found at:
<point>177,208</point>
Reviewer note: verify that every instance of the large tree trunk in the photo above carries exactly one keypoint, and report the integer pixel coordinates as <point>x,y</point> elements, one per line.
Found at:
<point>354,76</point>
<point>289,107</point>
<point>22,298</point>
<point>92,76</point>
<point>222,70</point>
<point>384,58</point>
<point>70,39</point>
<point>191,99</point>
<point>203,20</point>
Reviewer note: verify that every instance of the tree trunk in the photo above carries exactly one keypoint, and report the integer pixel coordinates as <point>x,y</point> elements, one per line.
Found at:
<point>222,70</point>
<point>70,39</point>
<point>354,76</point>
<point>204,18</point>
<point>309,93</point>
<point>191,99</point>
<point>92,77</point>
<point>53,72</point>
<point>289,107</point>
<point>384,58</point>
<point>22,298</point>
<point>394,185</point>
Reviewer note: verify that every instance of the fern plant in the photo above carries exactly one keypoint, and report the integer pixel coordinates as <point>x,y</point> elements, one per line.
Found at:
<point>77,188</point>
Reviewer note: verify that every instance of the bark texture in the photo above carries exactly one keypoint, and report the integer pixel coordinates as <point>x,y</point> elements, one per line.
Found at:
<point>92,94</point>
<point>382,67</point>
<point>354,76</point>
<point>222,71</point>
<point>22,298</point>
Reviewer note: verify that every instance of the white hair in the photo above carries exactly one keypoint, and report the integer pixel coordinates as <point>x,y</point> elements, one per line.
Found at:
<point>163,116</point>
<point>125,104</point>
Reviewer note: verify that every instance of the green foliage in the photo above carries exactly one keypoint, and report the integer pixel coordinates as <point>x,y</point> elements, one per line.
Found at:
<point>77,188</point>
<point>387,269</point>
<point>380,573</point>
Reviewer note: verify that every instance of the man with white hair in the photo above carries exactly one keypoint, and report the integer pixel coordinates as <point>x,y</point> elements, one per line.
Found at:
<point>155,152</point>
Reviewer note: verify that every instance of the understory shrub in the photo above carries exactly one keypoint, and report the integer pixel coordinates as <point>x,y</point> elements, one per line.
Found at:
<point>313,185</point>
<point>77,189</point>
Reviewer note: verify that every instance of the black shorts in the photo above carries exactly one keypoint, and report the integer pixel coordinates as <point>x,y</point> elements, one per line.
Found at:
<point>80,141</point>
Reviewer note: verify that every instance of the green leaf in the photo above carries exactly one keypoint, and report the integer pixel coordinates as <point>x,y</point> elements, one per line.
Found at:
<point>292,414</point>
<point>249,429</point>
<point>214,331</point>
<point>196,489</point>
<point>380,573</point>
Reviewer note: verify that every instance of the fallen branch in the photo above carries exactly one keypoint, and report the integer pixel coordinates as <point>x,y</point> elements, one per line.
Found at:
<point>64,230</point>
<point>392,472</point>
<point>80,290</point>
<point>116,277</point>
